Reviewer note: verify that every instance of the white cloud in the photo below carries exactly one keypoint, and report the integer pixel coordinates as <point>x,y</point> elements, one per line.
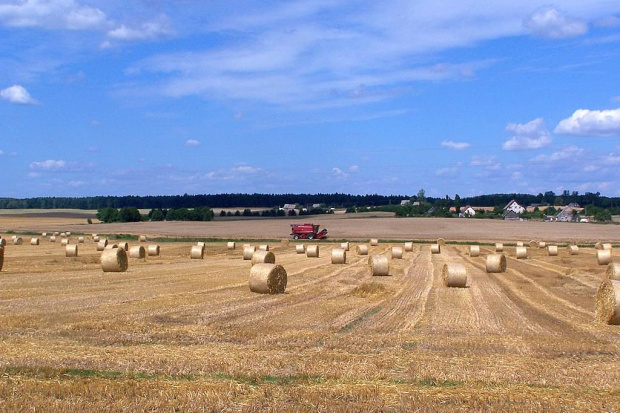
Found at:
<point>446,171</point>
<point>488,162</point>
<point>531,135</point>
<point>192,142</point>
<point>550,23</point>
<point>338,173</point>
<point>458,146</point>
<point>246,169</point>
<point>354,168</point>
<point>586,122</point>
<point>57,14</point>
<point>49,165</point>
<point>17,94</point>
<point>151,30</point>
<point>568,152</point>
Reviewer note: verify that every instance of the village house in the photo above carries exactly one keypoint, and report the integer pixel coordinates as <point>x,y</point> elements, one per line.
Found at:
<point>467,211</point>
<point>511,215</point>
<point>405,202</point>
<point>514,206</point>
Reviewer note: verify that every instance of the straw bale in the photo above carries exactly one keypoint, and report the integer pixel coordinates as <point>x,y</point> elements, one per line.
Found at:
<point>201,244</point>
<point>44,234</point>
<point>263,247</point>
<point>397,253</point>
<point>608,302</point>
<point>285,242</point>
<point>607,246</point>
<point>552,250</point>
<point>408,246</point>
<point>1,257</point>
<point>248,252</point>
<point>454,275</point>
<point>441,241</point>
<point>542,244</point>
<point>71,250</point>
<point>599,245</point>
<point>374,242</point>
<point>339,256</point>
<point>153,250</point>
<point>137,252</point>
<point>263,257</point>
<point>64,242</point>
<point>96,238</point>
<point>124,245</point>
<point>474,250</point>
<point>142,238</point>
<point>231,245</point>
<point>63,235</point>
<point>613,271</point>
<point>68,233</point>
<point>603,257</point>
<point>379,265</point>
<point>18,241</point>
<point>534,244</point>
<point>499,247</point>
<point>345,246</point>
<point>436,249</point>
<point>312,251</point>
<point>362,249</point>
<point>300,249</point>
<point>114,260</point>
<point>2,242</point>
<point>573,250</point>
<point>496,263</point>
<point>56,233</point>
<point>81,240</point>
<point>197,252</point>
<point>519,243</point>
<point>521,252</point>
<point>267,278</point>
<point>102,244</point>
<point>111,246</point>
<point>53,238</point>
<point>34,241</point>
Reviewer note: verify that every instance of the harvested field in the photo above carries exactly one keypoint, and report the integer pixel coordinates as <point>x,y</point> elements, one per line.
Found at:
<point>173,333</point>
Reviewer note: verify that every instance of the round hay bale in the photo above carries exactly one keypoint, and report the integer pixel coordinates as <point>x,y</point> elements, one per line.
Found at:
<point>44,234</point>
<point>397,253</point>
<point>573,250</point>
<point>339,256</point>
<point>521,253</point>
<point>114,260</point>
<point>542,244</point>
<point>231,245</point>
<point>312,251</point>
<point>142,238</point>
<point>137,252</point>
<point>408,246</point>
<point>102,244</point>
<point>374,242</point>
<point>201,244</point>
<point>153,250</point>
<point>379,265</point>
<point>96,238</point>
<point>1,257</point>
<point>436,249</point>
<point>266,278</point>
<point>613,271</point>
<point>598,245</point>
<point>13,237</point>
<point>608,302</point>
<point>34,241</point>
<point>80,240</point>
<point>534,244</point>
<point>607,246</point>
<point>519,243</point>
<point>111,246</point>
<point>603,257</point>
<point>197,252</point>
<point>63,234</point>
<point>2,242</point>
<point>496,263</point>
<point>56,233</point>
<point>94,235</point>
<point>362,249</point>
<point>64,242</point>
<point>263,247</point>
<point>124,245</point>
<point>499,247</point>
<point>474,250</point>
<point>248,252</point>
<point>300,249</point>
<point>53,238</point>
<point>441,241</point>
<point>18,241</point>
<point>71,250</point>
<point>68,233</point>
<point>552,250</point>
<point>345,246</point>
<point>263,257</point>
<point>454,275</point>
<point>285,242</point>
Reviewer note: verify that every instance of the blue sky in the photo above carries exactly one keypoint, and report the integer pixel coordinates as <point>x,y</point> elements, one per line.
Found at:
<point>172,97</point>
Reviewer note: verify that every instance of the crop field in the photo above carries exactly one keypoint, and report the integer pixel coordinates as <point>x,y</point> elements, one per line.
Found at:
<point>180,334</point>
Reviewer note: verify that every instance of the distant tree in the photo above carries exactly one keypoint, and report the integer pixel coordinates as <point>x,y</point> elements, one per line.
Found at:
<point>421,195</point>
<point>157,215</point>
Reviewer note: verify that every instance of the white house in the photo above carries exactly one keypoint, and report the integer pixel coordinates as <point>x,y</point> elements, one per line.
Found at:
<point>405,202</point>
<point>468,211</point>
<point>515,207</point>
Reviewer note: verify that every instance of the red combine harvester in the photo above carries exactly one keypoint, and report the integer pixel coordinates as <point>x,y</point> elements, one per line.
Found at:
<point>307,231</point>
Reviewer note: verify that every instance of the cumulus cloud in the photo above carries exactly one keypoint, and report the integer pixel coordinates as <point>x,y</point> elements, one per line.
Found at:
<point>457,146</point>
<point>527,136</point>
<point>568,152</point>
<point>151,30</point>
<point>192,142</point>
<point>354,168</point>
<point>550,23</point>
<point>58,14</point>
<point>17,94</point>
<point>49,165</point>
<point>586,122</point>
<point>338,173</point>
<point>489,162</point>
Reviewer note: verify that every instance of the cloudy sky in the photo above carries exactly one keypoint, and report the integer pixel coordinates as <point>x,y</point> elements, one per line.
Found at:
<point>188,96</point>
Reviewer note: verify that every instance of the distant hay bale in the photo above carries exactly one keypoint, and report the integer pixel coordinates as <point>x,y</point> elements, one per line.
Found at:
<point>339,256</point>
<point>71,250</point>
<point>248,252</point>
<point>607,246</point>
<point>44,234</point>
<point>263,257</point>
<point>362,249</point>
<point>496,263</point>
<point>247,245</point>
<point>374,242</point>
<point>598,245</point>
<point>53,238</point>
<point>197,252</point>
<point>56,233</point>
<point>534,244</point>
<point>137,252</point>
<point>474,250</point>
<point>80,240</point>
<point>153,250</point>
<point>345,246</point>
<point>285,242</point>
<point>608,302</point>
<point>114,260</point>
<point>573,250</point>
<point>95,235</point>
<point>542,244</point>
<point>96,238</point>
<point>267,278</point>
<point>312,251</point>
<point>454,275</point>
<point>68,233</point>
<point>102,244</point>
<point>300,249</point>
<point>124,245</point>
<point>552,250</point>
<point>603,257</point>
<point>397,253</point>
<point>63,234</point>
<point>201,244</point>
<point>436,249</point>
<point>2,242</point>
<point>142,238</point>
<point>613,271</point>
<point>519,243</point>
<point>499,247</point>
<point>379,265</point>
<point>441,241</point>
<point>1,257</point>
<point>408,246</point>
<point>34,241</point>
<point>64,242</point>
<point>521,253</point>
<point>111,246</point>
<point>231,245</point>
<point>263,247</point>
<point>18,241</point>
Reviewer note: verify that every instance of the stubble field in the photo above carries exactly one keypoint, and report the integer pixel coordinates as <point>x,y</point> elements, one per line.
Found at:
<point>174,334</point>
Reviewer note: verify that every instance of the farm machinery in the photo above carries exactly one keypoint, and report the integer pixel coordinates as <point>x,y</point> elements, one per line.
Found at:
<point>307,231</point>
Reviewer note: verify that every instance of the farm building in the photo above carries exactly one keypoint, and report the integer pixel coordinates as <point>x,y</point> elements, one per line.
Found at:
<point>511,216</point>
<point>514,206</point>
<point>467,211</point>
